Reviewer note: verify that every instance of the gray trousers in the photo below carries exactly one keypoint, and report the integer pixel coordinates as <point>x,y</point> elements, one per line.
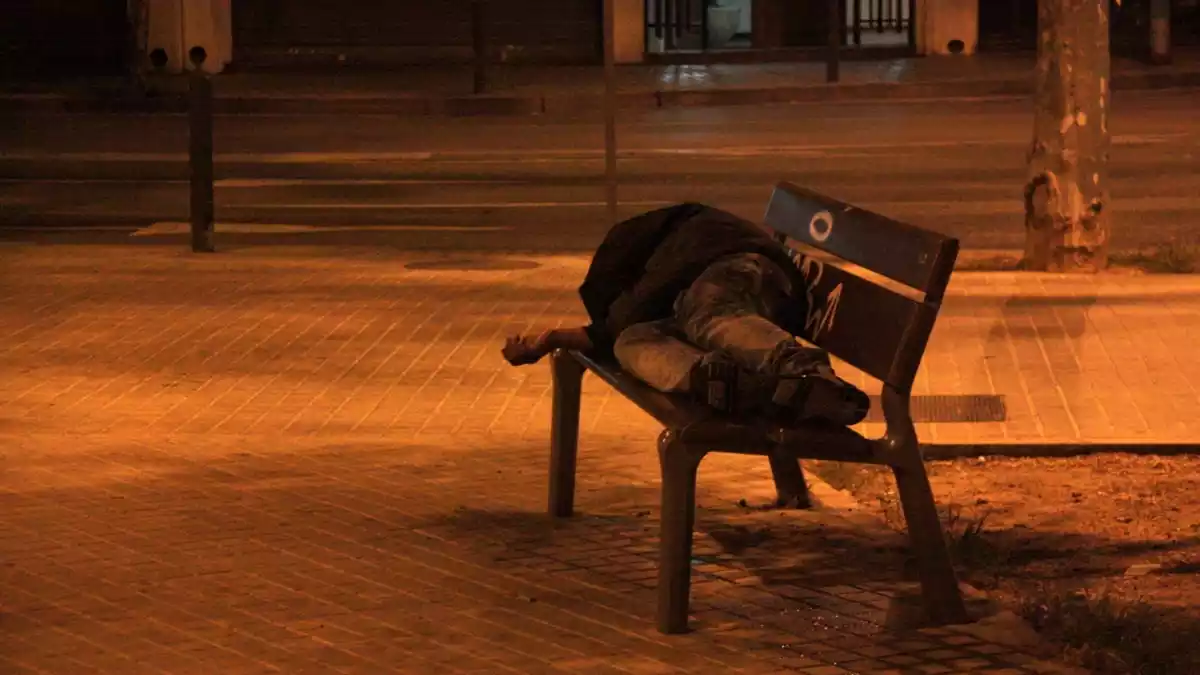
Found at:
<point>729,311</point>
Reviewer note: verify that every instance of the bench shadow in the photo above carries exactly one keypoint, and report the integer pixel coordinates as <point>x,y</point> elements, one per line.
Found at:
<point>779,547</point>
<point>791,547</point>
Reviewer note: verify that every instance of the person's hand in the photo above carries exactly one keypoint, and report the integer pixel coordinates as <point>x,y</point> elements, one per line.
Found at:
<point>527,349</point>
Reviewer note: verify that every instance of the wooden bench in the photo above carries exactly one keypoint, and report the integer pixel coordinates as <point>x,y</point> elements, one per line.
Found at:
<point>870,326</point>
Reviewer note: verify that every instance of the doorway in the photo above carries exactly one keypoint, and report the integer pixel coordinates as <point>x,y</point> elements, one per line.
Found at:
<point>699,25</point>
<point>700,31</point>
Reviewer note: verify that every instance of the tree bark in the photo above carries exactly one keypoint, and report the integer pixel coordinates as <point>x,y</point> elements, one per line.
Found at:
<point>1067,211</point>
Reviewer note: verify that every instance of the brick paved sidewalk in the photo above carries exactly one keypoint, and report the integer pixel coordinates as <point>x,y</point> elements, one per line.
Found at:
<point>312,461</point>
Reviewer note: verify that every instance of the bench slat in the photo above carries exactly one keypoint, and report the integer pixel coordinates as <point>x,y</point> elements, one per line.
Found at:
<point>915,257</point>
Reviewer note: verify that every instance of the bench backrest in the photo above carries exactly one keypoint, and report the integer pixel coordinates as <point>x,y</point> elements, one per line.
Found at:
<point>870,326</point>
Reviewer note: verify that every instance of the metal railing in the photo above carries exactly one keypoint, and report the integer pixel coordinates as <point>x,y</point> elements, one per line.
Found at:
<point>670,20</point>
<point>882,16</point>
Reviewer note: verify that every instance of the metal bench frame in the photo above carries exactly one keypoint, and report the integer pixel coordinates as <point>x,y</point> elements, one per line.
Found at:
<point>885,334</point>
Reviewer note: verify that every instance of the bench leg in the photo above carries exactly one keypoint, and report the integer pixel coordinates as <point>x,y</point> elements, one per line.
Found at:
<point>790,486</point>
<point>567,374</point>
<point>939,585</point>
<point>679,465</point>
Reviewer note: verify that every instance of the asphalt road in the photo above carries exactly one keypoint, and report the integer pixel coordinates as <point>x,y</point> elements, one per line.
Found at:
<point>953,165</point>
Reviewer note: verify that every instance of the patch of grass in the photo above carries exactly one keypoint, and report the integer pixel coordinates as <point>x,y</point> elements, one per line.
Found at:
<point>965,528</point>
<point>1112,637</point>
<point>847,476</point>
<point>979,558</point>
<point>969,545</point>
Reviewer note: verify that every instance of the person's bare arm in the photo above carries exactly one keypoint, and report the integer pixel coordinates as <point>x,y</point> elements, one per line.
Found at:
<point>576,339</point>
<point>528,349</point>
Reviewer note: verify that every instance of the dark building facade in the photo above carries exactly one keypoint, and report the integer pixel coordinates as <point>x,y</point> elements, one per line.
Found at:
<point>93,37</point>
<point>63,37</point>
<point>415,31</point>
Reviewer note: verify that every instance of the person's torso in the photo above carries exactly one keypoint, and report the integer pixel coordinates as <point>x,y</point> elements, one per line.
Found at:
<point>687,250</point>
<point>703,239</point>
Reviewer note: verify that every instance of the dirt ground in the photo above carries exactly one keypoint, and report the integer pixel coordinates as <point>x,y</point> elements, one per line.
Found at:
<point>1100,553</point>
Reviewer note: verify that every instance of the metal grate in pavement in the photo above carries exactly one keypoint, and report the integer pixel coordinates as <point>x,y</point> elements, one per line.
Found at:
<point>946,409</point>
<point>473,264</point>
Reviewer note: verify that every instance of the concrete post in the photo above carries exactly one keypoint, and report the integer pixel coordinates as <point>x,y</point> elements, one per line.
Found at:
<point>175,26</point>
<point>610,110</point>
<point>629,18</point>
<point>947,27</point>
<point>479,44</point>
<point>200,153</point>
<point>833,41</point>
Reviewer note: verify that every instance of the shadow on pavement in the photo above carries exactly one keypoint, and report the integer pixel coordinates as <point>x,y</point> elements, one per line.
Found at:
<point>308,532</point>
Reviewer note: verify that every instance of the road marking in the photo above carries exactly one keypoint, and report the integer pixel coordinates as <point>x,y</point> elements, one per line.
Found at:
<point>449,205</point>
<point>250,183</point>
<point>327,157</point>
<point>985,207</point>
<point>65,228</point>
<point>253,183</point>
<point>175,227</point>
<point>260,157</point>
<point>535,154</point>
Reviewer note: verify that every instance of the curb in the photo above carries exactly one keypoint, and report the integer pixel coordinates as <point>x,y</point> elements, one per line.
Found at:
<point>516,105</point>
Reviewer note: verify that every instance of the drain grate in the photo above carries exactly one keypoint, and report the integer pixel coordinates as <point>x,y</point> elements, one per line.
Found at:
<point>945,409</point>
<point>473,265</point>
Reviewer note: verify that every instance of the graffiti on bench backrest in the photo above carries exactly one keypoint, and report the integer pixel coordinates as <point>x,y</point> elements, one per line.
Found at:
<point>819,316</point>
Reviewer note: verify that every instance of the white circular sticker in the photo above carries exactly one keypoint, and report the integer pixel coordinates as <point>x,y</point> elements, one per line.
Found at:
<point>821,226</point>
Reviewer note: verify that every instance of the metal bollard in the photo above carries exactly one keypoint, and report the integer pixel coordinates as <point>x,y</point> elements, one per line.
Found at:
<point>833,58</point>
<point>912,22</point>
<point>200,153</point>
<point>1160,32</point>
<point>479,43</point>
<point>610,112</point>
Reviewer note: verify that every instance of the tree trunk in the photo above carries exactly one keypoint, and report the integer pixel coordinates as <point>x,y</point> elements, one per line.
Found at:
<point>1067,210</point>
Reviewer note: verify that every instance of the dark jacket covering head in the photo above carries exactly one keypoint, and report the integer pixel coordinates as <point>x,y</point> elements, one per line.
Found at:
<point>645,262</point>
